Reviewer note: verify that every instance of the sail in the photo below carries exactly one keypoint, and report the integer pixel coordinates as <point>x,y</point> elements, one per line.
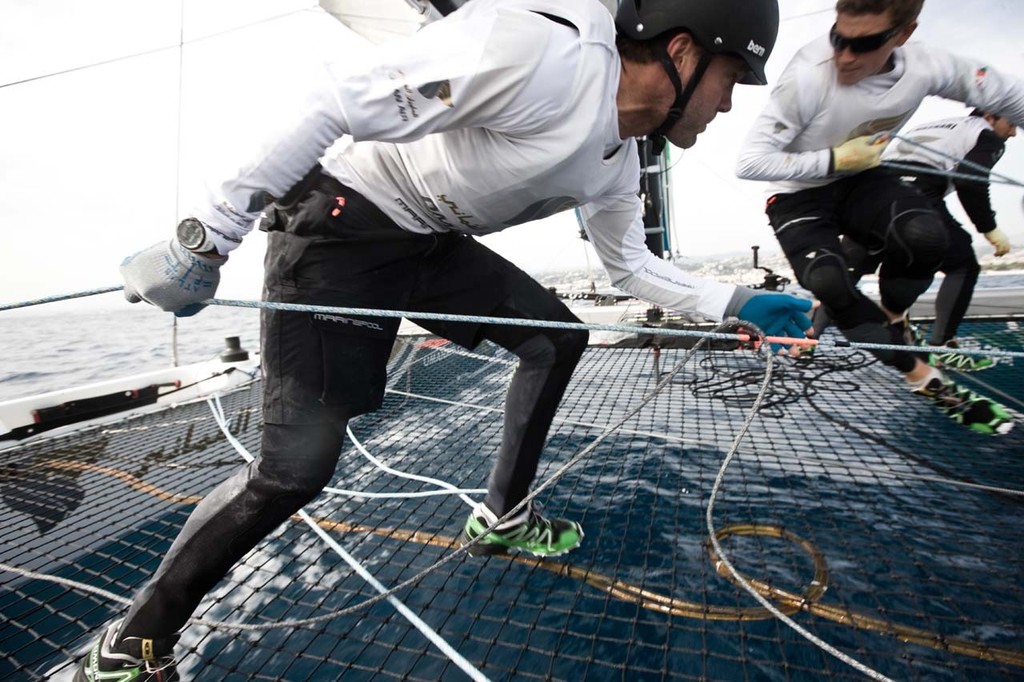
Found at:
<point>385,20</point>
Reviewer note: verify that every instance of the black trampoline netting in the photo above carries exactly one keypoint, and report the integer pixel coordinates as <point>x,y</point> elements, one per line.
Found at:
<point>854,506</point>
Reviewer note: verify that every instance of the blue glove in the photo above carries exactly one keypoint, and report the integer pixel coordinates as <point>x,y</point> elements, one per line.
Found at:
<point>775,314</point>
<point>171,277</point>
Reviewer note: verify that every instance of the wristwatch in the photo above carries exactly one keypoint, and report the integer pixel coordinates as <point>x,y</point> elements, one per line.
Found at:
<point>192,235</point>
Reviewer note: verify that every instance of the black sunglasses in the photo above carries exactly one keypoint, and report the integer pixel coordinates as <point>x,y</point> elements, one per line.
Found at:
<point>861,44</point>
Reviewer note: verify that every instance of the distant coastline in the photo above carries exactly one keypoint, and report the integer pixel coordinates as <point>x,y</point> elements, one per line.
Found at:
<point>737,268</point>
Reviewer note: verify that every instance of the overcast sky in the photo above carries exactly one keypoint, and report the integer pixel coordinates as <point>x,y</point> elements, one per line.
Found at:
<point>96,163</point>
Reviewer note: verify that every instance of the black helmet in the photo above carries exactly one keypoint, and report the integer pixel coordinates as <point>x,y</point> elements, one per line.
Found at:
<point>745,28</point>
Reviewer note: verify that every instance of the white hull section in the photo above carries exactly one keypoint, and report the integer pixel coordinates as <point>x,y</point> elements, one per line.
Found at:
<point>174,385</point>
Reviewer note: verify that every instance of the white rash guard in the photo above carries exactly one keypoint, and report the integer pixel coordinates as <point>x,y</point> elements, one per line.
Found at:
<point>492,117</point>
<point>944,145</point>
<point>810,112</point>
<point>954,137</point>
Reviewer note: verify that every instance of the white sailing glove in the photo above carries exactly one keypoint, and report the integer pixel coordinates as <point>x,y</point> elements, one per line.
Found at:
<point>999,240</point>
<point>859,154</point>
<point>171,277</point>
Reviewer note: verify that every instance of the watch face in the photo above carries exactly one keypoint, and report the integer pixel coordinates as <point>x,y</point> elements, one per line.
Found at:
<point>191,233</point>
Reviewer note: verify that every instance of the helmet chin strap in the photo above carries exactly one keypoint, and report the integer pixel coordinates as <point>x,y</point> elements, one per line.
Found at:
<point>675,112</point>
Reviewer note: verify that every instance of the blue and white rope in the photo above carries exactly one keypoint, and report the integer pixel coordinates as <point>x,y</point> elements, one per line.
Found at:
<point>519,322</point>
<point>583,326</point>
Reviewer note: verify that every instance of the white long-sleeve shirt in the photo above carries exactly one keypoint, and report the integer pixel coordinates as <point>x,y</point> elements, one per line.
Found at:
<point>492,117</point>
<point>809,112</point>
<point>940,144</point>
<point>944,144</point>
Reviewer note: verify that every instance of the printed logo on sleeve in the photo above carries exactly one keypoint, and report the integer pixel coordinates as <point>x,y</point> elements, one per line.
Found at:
<point>442,90</point>
<point>404,98</point>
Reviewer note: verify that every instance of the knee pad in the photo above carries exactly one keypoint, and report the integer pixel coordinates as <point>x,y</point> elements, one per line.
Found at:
<point>921,237</point>
<point>827,277</point>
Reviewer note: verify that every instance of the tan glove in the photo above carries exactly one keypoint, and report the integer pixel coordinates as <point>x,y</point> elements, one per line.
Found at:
<point>999,240</point>
<point>859,154</point>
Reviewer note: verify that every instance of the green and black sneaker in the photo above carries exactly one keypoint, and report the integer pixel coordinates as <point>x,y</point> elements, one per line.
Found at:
<point>966,407</point>
<point>535,534</point>
<point>132,660</point>
<point>960,362</point>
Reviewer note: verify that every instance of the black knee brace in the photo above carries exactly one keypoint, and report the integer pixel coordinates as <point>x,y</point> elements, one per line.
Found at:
<point>860,320</point>
<point>827,277</point>
<point>916,245</point>
<point>921,239</point>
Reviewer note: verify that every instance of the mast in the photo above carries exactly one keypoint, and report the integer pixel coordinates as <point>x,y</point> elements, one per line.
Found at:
<point>653,194</point>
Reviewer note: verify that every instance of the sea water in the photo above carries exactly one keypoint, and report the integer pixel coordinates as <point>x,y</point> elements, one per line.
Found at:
<point>49,351</point>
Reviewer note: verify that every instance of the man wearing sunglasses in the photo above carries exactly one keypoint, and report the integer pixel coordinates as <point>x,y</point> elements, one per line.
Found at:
<point>819,142</point>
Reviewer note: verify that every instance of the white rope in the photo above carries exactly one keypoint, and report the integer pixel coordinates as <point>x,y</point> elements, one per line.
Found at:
<point>709,517</point>
<point>448,488</point>
<point>435,639</point>
<point>358,494</point>
<point>432,636</point>
<point>73,584</point>
<point>451,349</point>
<point>556,420</point>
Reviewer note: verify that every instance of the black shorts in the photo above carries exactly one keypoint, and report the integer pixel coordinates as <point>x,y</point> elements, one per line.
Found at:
<point>860,207</point>
<point>339,249</point>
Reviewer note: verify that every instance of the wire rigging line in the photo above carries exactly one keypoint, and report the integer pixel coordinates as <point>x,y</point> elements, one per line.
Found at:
<point>986,173</point>
<point>61,297</point>
<point>181,108</point>
<point>164,48</point>
<point>917,169</point>
<point>91,65</point>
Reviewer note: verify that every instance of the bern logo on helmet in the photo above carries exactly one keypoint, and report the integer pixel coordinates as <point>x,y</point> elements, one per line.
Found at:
<point>755,48</point>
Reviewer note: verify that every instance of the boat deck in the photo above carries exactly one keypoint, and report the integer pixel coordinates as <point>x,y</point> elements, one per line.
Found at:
<point>880,526</point>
